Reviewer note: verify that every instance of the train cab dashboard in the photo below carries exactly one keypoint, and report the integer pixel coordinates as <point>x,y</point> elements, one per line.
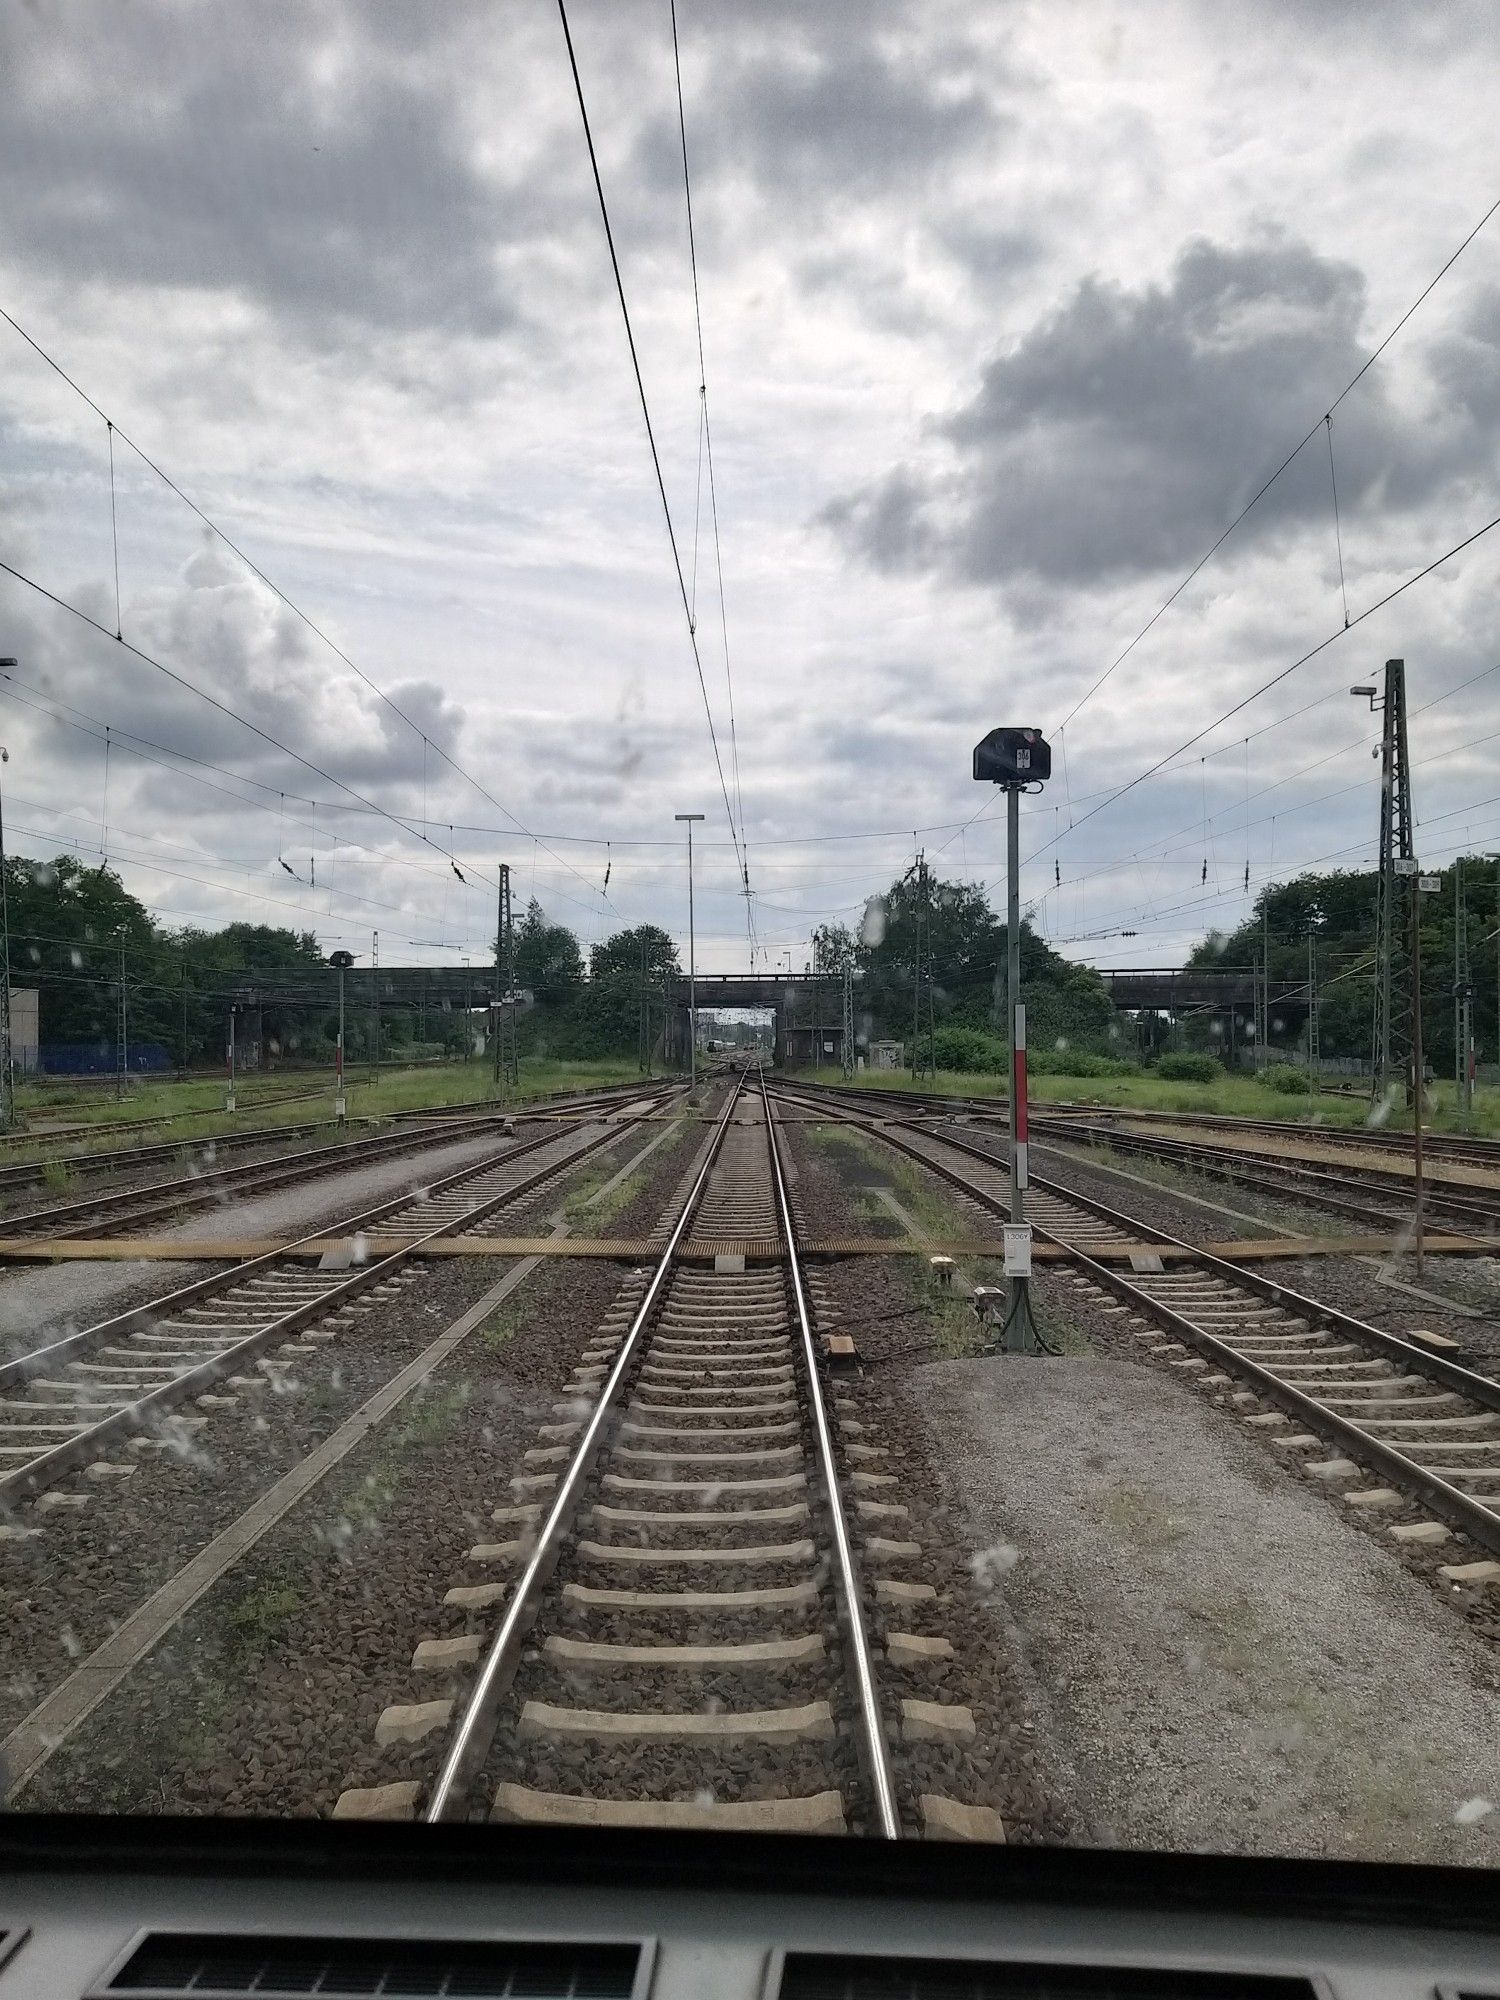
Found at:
<point>92,1909</point>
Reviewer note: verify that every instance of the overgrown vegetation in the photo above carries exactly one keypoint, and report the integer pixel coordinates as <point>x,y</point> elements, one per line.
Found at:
<point>1286,1081</point>
<point>1181,1066</point>
<point>1337,912</point>
<point>596,1202</point>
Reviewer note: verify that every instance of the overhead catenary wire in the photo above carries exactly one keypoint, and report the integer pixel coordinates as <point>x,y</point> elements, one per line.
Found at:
<point>1380,603</point>
<point>635,363</point>
<point>1186,835</point>
<point>255,570</point>
<point>1338,532</point>
<point>713,498</point>
<point>1262,490</point>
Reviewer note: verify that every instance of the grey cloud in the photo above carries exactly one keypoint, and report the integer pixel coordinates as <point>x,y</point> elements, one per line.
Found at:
<point>229,637</point>
<point>1126,427</point>
<point>826,104</point>
<point>286,160</point>
<point>870,116</point>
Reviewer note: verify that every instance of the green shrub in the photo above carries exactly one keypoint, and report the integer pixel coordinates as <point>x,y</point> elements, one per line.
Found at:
<point>1077,1062</point>
<point>1286,1081</point>
<point>1179,1066</point>
<point>969,1050</point>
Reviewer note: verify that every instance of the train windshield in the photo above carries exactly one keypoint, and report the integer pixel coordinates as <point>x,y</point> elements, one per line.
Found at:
<point>749,919</point>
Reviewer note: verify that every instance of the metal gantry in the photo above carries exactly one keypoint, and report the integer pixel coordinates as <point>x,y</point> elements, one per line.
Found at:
<point>1391,1053</point>
<point>507,1053</point>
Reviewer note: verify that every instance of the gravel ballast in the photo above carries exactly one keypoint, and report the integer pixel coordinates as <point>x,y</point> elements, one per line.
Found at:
<point>34,1299</point>
<point>265,1694</point>
<point>1225,1663</point>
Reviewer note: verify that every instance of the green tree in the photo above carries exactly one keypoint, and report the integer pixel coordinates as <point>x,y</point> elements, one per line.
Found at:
<point>954,924</point>
<point>646,948</point>
<point>548,958</point>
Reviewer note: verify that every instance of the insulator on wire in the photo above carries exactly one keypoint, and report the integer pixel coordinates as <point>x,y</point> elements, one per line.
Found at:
<point>458,871</point>
<point>1203,878</point>
<point>1247,878</point>
<point>1057,873</point>
<point>608,864</point>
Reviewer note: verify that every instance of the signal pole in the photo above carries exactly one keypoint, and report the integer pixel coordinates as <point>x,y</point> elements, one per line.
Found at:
<point>691,819</point>
<point>1019,760</point>
<point>1313,1057</point>
<point>848,1041</point>
<point>1463,1002</point>
<point>1418,1190</point>
<point>341,962</point>
<point>505,986</point>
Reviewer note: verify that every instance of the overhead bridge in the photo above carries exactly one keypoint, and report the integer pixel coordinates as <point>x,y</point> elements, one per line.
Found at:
<point>813,1001</point>
<point>1178,989</point>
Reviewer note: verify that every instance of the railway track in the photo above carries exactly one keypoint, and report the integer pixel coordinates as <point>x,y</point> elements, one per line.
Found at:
<point>1454,1147</point>
<point>1306,1373</point>
<point>684,1636</point>
<point>111,1211</point>
<point>126,1378</point>
<point>21,1174</point>
<point>1378,1198</point>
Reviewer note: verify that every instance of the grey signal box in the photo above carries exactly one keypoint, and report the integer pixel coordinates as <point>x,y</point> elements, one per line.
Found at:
<point>1013,757</point>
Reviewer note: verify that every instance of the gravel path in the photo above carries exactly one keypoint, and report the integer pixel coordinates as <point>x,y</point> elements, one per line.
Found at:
<point>1226,1663</point>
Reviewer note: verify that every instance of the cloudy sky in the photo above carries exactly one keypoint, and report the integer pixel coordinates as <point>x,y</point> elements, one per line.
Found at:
<point>1008,309</point>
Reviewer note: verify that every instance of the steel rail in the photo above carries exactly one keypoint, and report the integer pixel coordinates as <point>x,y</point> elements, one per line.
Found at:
<point>158,1198</point>
<point>1453,1147</point>
<point>28,1173</point>
<point>19,1368</point>
<point>1479,1388</point>
<point>1332,1186</point>
<point>876,1750</point>
<point>1479,1522</point>
<point>50,1465</point>
<point>471,1740</point>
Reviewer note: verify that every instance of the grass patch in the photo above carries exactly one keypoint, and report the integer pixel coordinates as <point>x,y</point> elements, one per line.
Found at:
<point>950,1319</point>
<point>1237,1096</point>
<point>426,1423</point>
<point>430,1419</point>
<point>259,1618</point>
<point>80,1116</point>
<point>878,1165</point>
<point>590,1201</point>
<point>502,1326</point>
<point>1138,1515</point>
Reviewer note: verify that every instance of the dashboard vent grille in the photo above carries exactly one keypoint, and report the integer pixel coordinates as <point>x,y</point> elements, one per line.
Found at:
<point>174,1965</point>
<point>812,1976</point>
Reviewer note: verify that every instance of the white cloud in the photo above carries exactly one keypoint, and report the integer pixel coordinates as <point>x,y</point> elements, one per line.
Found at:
<point>1045,287</point>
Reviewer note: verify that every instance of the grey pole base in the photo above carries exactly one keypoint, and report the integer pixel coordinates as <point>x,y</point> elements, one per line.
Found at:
<point>1019,1334</point>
